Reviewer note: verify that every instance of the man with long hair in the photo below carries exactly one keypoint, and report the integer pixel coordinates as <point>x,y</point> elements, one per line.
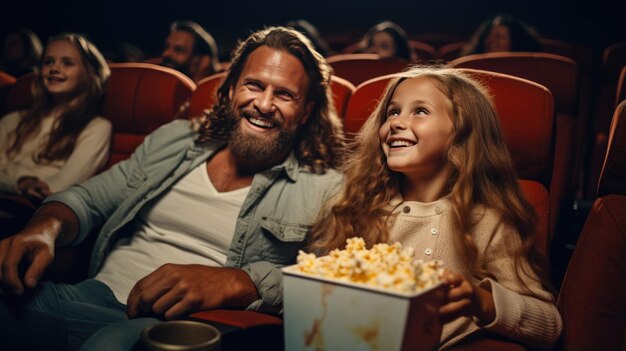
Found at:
<point>190,49</point>
<point>200,217</point>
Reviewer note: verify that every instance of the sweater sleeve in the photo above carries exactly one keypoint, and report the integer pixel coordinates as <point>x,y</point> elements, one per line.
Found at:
<point>90,154</point>
<point>525,311</point>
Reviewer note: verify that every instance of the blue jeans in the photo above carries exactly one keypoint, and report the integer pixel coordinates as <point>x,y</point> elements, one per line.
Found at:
<point>119,336</point>
<point>57,316</point>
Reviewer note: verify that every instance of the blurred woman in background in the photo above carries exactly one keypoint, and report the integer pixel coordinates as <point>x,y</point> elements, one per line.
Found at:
<point>388,40</point>
<point>501,33</point>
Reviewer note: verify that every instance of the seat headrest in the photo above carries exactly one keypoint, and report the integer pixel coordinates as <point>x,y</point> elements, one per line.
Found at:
<point>141,96</point>
<point>526,111</point>
<point>557,73</point>
<point>357,68</point>
<point>19,95</point>
<point>205,95</point>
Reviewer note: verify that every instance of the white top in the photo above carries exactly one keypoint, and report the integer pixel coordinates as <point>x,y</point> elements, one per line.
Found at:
<point>191,223</point>
<point>90,154</point>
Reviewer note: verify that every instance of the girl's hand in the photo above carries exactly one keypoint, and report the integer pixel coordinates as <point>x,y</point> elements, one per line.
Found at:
<point>33,188</point>
<point>466,299</point>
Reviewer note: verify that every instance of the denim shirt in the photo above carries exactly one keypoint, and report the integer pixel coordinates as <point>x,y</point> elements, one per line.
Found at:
<point>271,226</point>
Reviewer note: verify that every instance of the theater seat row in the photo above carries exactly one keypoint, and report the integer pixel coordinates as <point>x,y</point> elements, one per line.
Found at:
<point>142,96</point>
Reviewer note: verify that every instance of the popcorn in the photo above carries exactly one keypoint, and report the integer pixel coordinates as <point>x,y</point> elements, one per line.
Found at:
<point>385,266</point>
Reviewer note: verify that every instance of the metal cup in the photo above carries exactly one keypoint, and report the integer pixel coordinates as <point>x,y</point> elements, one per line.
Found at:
<point>181,336</point>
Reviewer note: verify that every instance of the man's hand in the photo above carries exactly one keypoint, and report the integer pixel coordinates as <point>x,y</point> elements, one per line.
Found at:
<point>176,290</point>
<point>34,188</point>
<point>466,299</point>
<point>32,249</point>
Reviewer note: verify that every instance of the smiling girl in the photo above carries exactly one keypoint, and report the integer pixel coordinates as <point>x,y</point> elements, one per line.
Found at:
<point>60,140</point>
<point>432,171</point>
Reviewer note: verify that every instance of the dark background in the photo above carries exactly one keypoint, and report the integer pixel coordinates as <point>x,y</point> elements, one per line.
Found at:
<point>145,23</point>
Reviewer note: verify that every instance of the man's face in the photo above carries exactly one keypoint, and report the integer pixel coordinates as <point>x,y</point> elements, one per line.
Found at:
<point>270,100</point>
<point>178,52</point>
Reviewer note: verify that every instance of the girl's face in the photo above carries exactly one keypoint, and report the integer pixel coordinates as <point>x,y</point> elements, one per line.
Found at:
<point>383,45</point>
<point>62,69</point>
<point>498,40</point>
<point>417,129</point>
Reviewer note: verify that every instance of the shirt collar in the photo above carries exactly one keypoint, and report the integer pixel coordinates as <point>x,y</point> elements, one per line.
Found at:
<point>290,166</point>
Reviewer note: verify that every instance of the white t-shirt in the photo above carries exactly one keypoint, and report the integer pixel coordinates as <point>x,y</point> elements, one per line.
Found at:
<point>191,223</point>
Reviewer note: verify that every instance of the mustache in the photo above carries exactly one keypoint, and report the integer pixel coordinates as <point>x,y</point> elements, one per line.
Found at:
<point>168,62</point>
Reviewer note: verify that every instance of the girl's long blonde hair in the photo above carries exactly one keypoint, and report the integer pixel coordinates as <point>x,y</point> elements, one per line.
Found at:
<point>74,117</point>
<point>482,174</point>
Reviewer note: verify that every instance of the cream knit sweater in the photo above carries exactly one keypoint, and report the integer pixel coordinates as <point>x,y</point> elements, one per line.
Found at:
<point>90,154</point>
<point>520,316</point>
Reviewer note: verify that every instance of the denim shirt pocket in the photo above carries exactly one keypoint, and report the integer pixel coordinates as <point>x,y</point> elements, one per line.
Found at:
<point>137,178</point>
<point>280,241</point>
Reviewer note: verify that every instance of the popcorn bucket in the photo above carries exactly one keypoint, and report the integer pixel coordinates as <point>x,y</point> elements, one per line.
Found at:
<point>331,314</point>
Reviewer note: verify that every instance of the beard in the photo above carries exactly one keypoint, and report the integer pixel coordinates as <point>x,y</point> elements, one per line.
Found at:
<point>259,152</point>
<point>181,67</point>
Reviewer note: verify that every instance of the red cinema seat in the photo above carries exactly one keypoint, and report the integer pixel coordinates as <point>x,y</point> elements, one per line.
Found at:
<point>19,95</point>
<point>205,94</point>
<point>560,75</point>
<point>526,111</point>
<point>363,101</point>
<point>141,97</point>
<point>357,68</point>
<point>592,298</point>
<point>342,92</point>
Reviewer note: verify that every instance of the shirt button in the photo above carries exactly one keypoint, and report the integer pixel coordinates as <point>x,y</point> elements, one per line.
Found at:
<point>434,231</point>
<point>428,251</point>
<point>406,209</point>
<point>438,210</point>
